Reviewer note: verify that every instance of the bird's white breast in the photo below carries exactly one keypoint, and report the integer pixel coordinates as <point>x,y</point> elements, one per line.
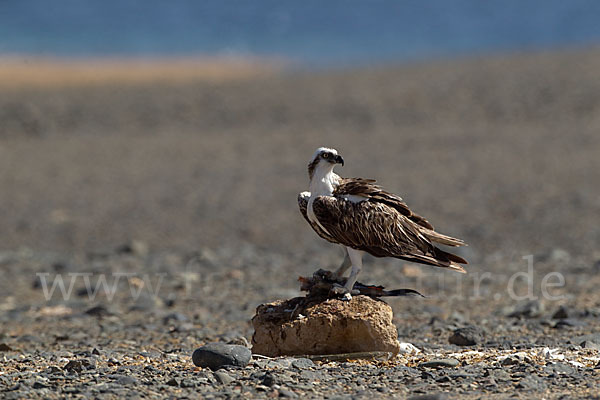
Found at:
<point>322,184</point>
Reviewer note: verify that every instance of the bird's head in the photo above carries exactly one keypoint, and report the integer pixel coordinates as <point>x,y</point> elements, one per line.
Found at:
<point>324,158</point>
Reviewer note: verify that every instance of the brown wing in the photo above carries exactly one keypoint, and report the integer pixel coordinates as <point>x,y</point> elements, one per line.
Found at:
<point>374,193</point>
<point>380,230</point>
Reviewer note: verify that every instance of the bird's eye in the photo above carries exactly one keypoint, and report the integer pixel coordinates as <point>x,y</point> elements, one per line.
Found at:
<point>326,155</point>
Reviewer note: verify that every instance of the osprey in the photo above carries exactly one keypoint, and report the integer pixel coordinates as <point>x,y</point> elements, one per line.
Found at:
<point>359,215</point>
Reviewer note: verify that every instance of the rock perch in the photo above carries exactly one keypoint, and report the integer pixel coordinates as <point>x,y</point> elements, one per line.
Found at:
<point>308,325</point>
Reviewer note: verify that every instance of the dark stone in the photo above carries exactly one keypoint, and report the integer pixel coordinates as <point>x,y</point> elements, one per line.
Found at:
<point>567,323</point>
<point>98,311</point>
<point>561,313</point>
<point>529,309</point>
<point>125,248</point>
<point>268,379</point>
<point>4,347</point>
<point>173,382</point>
<point>39,385</point>
<point>588,344</point>
<point>219,355</point>
<point>59,266</point>
<point>74,365</point>
<point>440,363</point>
<point>468,336</point>
<point>37,283</point>
<point>52,370</point>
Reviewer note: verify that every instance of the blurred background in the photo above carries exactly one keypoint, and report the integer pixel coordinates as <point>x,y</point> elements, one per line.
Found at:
<point>188,125</point>
<point>168,141</point>
<point>151,154</point>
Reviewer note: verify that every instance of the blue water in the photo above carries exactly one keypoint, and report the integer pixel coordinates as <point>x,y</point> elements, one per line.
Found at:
<point>314,32</point>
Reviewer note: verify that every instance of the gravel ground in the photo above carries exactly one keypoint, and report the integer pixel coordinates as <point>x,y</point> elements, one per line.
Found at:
<point>181,198</point>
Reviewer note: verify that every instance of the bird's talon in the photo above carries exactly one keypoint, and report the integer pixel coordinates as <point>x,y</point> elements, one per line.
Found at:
<point>338,289</point>
<point>342,290</point>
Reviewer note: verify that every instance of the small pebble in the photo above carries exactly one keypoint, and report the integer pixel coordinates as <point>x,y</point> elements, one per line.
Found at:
<point>440,363</point>
<point>4,347</point>
<point>223,378</point>
<point>303,363</point>
<point>219,355</point>
<point>173,382</point>
<point>468,336</point>
<point>287,393</point>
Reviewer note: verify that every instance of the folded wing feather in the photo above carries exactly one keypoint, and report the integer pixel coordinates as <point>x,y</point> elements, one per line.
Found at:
<point>382,225</point>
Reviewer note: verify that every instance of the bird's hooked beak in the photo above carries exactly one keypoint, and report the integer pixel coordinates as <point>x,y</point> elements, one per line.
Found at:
<point>339,160</point>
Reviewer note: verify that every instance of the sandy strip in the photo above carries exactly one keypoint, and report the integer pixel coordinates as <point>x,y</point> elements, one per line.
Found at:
<point>31,71</point>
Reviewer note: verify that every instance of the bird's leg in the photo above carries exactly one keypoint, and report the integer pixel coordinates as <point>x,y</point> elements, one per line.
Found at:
<point>344,267</point>
<point>356,261</point>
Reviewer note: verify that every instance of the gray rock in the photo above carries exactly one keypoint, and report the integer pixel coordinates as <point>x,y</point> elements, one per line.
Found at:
<point>436,396</point>
<point>594,337</point>
<point>287,393</point>
<point>219,355</point>
<point>569,322</point>
<point>529,309</point>
<point>531,383</point>
<point>560,256</point>
<point>303,363</point>
<point>29,339</point>
<point>440,363</point>
<point>123,379</point>
<point>559,368</point>
<point>223,378</point>
<point>174,317</point>
<point>185,383</point>
<point>468,336</point>
<point>499,375</point>
<point>588,344</point>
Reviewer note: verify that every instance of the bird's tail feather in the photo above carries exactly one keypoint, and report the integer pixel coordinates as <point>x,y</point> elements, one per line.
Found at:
<point>441,238</point>
<point>440,259</point>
